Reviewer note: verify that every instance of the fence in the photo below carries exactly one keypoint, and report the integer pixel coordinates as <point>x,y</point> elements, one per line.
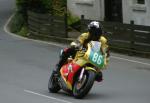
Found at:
<point>47,25</point>
<point>129,37</point>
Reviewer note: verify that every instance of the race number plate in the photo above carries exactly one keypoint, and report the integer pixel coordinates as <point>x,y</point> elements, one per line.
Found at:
<point>96,59</point>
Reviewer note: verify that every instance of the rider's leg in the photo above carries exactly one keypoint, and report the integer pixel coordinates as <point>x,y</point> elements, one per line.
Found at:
<point>61,61</point>
<point>99,76</point>
<point>63,57</point>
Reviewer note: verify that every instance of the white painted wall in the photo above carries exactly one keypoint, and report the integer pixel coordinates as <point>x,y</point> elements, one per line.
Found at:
<point>92,9</point>
<point>137,12</point>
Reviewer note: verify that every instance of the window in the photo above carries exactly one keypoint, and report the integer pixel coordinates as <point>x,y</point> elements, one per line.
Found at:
<point>139,5</point>
<point>85,2</point>
<point>140,1</point>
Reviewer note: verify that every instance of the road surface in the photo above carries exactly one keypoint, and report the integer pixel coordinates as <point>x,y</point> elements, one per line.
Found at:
<point>25,66</point>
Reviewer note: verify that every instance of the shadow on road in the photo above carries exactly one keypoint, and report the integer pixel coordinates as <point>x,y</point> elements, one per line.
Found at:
<point>90,96</point>
<point>98,96</point>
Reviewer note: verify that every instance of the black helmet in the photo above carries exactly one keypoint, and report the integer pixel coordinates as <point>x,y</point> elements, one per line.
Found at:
<point>95,29</point>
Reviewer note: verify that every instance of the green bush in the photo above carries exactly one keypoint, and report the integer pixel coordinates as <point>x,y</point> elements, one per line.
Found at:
<point>22,6</point>
<point>59,7</point>
<point>41,6</point>
<point>72,19</point>
<point>34,5</point>
<point>16,23</point>
<point>23,31</point>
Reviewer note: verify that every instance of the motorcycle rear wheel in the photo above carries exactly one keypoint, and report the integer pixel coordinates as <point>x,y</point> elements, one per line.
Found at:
<point>85,88</point>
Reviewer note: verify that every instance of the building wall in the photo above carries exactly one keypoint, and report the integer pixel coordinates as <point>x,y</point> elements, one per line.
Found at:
<point>139,13</point>
<point>92,9</point>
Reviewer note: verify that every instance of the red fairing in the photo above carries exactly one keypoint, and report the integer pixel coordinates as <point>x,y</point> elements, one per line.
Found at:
<point>69,70</point>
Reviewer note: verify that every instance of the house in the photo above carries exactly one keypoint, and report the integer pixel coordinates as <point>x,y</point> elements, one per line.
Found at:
<point>123,11</point>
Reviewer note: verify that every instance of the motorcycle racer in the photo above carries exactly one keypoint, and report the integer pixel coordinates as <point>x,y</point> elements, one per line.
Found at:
<point>94,34</point>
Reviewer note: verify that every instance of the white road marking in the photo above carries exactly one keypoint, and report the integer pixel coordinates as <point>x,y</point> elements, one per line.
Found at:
<point>62,46</point>
<point>130,60</point>
<point>59,100</point>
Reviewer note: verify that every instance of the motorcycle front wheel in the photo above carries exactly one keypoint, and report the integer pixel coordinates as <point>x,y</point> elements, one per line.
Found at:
<point>53,85</point>
<point>81,88</point>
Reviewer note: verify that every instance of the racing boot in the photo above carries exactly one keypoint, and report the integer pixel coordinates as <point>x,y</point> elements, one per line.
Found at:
<point>99,76</point>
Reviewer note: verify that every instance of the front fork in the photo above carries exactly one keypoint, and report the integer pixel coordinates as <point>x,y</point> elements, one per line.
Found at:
<point>83,70</point>
<point>81,74</point>
<point>99,76</point>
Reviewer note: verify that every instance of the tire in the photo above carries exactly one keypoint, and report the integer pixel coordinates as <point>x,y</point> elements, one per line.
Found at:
<point>80,93</point>
<point>53,85</point>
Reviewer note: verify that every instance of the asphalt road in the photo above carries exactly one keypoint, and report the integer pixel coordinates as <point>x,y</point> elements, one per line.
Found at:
<point>25,66</point>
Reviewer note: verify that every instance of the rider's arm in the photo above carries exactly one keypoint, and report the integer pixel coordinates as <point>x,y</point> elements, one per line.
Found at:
<point>80,40</point>
<point>105,49</point>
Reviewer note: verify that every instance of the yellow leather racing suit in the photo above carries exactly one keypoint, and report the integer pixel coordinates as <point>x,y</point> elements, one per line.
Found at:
<point>104,46</point>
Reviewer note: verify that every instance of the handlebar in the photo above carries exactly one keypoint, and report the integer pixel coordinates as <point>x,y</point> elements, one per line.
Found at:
<point>81,49</point>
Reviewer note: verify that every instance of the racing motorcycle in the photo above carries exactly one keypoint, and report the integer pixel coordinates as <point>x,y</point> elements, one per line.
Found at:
<point>77,75</point>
